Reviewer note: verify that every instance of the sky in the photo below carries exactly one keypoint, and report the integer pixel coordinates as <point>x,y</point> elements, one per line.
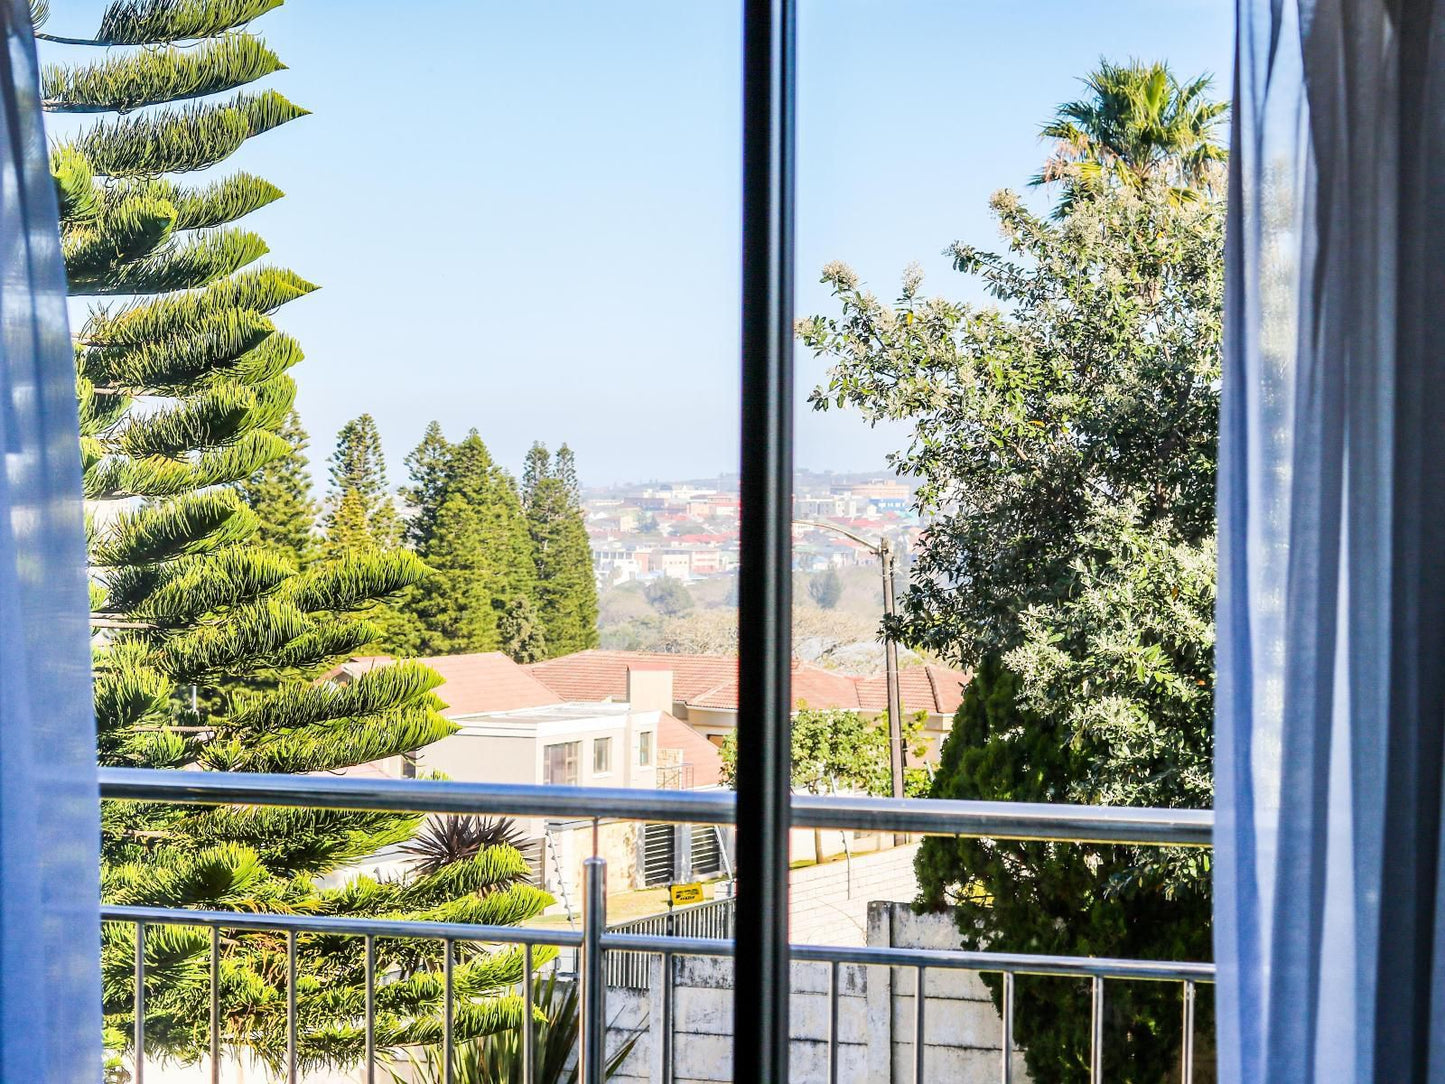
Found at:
<point>525,218</point>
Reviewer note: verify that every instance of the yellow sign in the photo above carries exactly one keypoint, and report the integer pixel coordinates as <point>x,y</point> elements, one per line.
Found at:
<point>688,893</point>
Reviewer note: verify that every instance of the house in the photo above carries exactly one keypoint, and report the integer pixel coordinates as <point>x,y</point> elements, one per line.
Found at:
<point>513,728</point>
<point>703,689</point>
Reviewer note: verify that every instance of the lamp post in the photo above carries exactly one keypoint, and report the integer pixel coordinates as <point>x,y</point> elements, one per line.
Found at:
<point>887,560</point>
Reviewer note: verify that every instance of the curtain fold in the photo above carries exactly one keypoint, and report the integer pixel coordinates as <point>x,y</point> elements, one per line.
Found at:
<point>1331,619</point>
<point>49,804</point>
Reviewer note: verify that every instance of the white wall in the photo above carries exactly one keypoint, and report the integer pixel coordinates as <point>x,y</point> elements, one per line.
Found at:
<point>875,1017</point>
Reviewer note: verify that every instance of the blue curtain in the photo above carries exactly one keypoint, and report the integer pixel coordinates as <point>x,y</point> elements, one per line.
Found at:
<point>1329,924</point>
<point>49,807</point>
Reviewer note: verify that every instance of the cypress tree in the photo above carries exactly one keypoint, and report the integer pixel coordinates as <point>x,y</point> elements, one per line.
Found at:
<point>280,495</point>
<point>362,514</point>
<point>468,526</point>
<point>184,395</point>
<point>427,465</point>
<point>566,584</point>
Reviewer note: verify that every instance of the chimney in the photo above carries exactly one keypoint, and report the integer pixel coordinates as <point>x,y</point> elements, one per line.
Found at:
<point>649,688</point>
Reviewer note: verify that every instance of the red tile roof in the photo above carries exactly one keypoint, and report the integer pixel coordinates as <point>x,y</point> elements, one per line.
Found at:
<point>813,687</point>
<point>711,681</point>
<point>920,688</point>
<point>602,675</point>
<point>486,681</point>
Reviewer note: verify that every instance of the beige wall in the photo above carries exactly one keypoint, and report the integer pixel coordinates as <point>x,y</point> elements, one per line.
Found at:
<point>475,759</point>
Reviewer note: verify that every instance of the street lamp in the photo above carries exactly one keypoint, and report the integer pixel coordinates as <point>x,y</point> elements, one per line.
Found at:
<point>887,560</point>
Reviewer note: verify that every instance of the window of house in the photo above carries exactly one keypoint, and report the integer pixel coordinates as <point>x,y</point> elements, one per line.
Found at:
<point>601,756</point>
<point>562,761</point>
<point>644,749</point>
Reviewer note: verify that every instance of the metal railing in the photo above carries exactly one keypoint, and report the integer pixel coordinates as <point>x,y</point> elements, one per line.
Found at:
<point>594,942</point>
<point>712,920</point>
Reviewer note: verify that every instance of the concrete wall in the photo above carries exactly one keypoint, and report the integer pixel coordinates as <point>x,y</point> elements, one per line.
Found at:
<point>875,1017</point>
<point>829,902</point>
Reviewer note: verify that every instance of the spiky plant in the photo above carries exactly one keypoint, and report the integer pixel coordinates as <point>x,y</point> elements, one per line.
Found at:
<point>451,839</point>
<point>497,1059</point>
<point>208,641</point>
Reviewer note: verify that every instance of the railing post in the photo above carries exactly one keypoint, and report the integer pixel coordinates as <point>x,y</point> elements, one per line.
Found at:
<point>449,1043</point>
<point>1007,1075</point>
<point>920,1010</point>
<point>140,1003</point>
<point>594,971</point>
<point>1096,1032</point>
<point>667,1017</point>
<point>292,1052</point>
<point>529,1056</point>
<point>834,974</point>
<point>215,1005</point>
<point>1186,1069</point>
<point>370,1009</point>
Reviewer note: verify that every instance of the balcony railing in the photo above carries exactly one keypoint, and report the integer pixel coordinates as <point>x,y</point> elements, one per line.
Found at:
<point>996,820</point>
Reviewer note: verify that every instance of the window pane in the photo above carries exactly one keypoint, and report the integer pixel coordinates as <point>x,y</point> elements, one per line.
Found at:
<point>562,761</point>
<point>602,756</point>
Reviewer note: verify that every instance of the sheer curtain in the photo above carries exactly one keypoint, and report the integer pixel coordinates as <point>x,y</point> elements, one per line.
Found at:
<point>49,820</point>
<point>1331,703</point>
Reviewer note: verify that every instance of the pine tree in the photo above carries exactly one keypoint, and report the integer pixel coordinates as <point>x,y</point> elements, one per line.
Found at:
<point>184,393</point>
<point>362,513</point>
<point>280,495</point>
<point>427,465</point>
<point>566,583</point>
<point>468,527</point>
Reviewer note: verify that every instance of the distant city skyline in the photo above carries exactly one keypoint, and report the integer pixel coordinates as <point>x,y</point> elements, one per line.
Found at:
<point>524,218</point>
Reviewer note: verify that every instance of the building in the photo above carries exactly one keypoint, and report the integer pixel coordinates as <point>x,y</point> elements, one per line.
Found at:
<point>703,689</point>
<point>515,729</point>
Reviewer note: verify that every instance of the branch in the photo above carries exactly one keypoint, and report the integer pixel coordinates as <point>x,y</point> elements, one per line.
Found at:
<point>100,621</point>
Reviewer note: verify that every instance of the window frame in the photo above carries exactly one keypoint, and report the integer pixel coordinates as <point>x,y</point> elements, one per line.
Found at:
<point>571,763</point>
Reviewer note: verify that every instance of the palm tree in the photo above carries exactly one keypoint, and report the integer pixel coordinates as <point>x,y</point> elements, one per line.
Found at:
<point>1139,125</point>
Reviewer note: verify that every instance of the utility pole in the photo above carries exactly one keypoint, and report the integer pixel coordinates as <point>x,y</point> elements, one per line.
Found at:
<point>887,559</point>
<point>890,665</point>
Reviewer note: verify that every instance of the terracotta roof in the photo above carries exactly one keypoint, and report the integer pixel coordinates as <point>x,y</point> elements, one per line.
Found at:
<point>602,675</point>
<point>673,733</point>
<point>485,681</point>
<point>813,687</point>
<point>920,688</point>
<point>493,682</point>
<point>711,681</point>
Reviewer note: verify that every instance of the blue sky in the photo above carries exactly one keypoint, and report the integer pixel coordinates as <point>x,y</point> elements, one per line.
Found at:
<point>525,217</point>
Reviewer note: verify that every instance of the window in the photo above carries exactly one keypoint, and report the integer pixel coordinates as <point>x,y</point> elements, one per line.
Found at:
<point>562,762</point>
<point>644,749</point>
<point>601,756</point>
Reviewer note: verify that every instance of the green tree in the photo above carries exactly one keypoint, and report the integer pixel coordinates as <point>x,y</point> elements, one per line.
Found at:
<point>668,596</point>
<point>280,495</point>
<point>840,750</point>
<point>184,394</point>
<point>470,531</point>
<point>1138,125</point>
<point>427,464</point>
<point>566,581</point>
<point>362,514</point>
<point>1066,444</point>
<point>826,588</point>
